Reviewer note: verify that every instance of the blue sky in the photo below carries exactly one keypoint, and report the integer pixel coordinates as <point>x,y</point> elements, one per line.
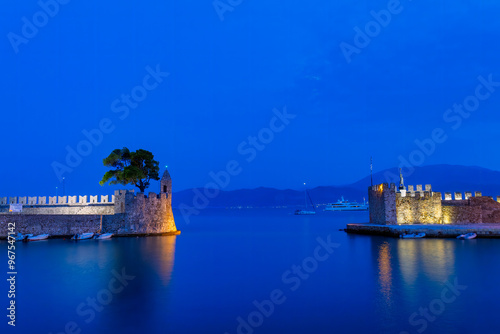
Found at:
<point>227,76</point>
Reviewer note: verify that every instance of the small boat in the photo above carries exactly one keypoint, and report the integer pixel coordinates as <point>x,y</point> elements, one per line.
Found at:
<point>412,236</point>
<point>82,236</point>
<point>38,237</point>
<point>467,236</point>
<point>305,211</point>
<point>22,237</point>
<point>104,236</point>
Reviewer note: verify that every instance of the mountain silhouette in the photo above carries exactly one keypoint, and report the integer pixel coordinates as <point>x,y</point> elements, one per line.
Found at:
<point>443,178</point>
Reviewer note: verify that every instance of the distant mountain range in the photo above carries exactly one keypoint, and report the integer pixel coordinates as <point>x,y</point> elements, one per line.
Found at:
<point>443,178</point>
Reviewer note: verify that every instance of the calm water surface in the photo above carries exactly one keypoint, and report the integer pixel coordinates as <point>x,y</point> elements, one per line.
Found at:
<point>207,279</point>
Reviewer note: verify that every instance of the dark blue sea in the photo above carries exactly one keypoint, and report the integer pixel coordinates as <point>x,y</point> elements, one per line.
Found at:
<point>257,271</point>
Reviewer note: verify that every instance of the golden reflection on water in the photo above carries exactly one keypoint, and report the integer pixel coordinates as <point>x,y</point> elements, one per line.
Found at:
<point>434,258</point>
<point>402,262</point>
<point>385,271</point>
<point>408,260</point>
<point>166,261</point>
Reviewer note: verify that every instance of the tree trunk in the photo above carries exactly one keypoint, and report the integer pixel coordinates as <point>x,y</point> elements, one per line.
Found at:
<point>141,186</point>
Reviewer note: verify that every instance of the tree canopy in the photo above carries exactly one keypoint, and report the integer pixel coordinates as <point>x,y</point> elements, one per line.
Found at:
<point>137,168</point>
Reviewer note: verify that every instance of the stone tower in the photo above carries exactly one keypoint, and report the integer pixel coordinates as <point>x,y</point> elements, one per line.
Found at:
<point>166,184</point>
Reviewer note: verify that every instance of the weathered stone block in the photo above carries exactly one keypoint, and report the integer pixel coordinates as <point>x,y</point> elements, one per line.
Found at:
<point>52,200</point>
<point>468,195</point>
<point>12,200</point>
<point>32,200</point>
<point>71,199</point>
<point>428,187</point>
<point>93,199</point>
<point>447,197</point>
<point>458,196</point>
<point>62,200</point>
<point>419,187</point>
<point>42,200</point>
<point>3,200</point>
<point>82,199</point>
<point>23,200</point>
<point>104,199</point>
<point>478,194</point>
<point>411,189</point>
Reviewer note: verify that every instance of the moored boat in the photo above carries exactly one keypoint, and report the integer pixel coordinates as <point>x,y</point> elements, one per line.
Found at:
<point>38,237</point>
<point>304,212</point>
<point>104,236</point>
<point>22,237</point>
<point>82,236</point>
<point>344,205</point>
<point>412,236</point>
<point>467,236</point>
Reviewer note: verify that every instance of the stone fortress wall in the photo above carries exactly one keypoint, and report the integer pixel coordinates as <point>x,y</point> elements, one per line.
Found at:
<point>61,205</point>
<point>125,213</point>
<point>391,205</point>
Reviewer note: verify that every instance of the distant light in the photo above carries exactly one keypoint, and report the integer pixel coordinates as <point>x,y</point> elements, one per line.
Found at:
<point>166,166</point>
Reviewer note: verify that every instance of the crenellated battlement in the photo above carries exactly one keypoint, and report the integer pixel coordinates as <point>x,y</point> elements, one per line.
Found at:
<point>125,212</point>
<point>459,196</point>
<point>421,205</point>
<point>58,200</point>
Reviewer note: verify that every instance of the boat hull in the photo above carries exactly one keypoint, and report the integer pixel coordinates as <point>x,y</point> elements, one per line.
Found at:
<point>302,212</point>
<point>104,236</point>
<point>412,236</point>
<point>467,236</point>
<point>38,237</point>
<point>83,236</point>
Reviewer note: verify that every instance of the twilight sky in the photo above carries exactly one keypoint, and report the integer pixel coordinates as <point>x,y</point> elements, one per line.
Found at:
<point>292,91</point>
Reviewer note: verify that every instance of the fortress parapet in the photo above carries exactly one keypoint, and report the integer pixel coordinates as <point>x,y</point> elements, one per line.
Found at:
<point>137,213</point>
<point>391,206</point>
<point>125,212</point>
<point>42,200</point>
<point>58,205</point>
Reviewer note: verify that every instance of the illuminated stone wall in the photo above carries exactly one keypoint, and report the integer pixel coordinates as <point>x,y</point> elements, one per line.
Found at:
<point>61,205</point>
<point>422,208</point>
<point>56,225</point>
<point>475,210</point>
<point>382,202</point>
<point>416,205</point>
<point>142,214</point>
<point>128,213</point>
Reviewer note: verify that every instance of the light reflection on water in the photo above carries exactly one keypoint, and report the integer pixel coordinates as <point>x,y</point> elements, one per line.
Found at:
<point>204,279</point>
<point>385,271</point>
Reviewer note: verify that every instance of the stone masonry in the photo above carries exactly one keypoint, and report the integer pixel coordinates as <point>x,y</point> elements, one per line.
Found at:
<point>391,206</point>
<point>127,213</point>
